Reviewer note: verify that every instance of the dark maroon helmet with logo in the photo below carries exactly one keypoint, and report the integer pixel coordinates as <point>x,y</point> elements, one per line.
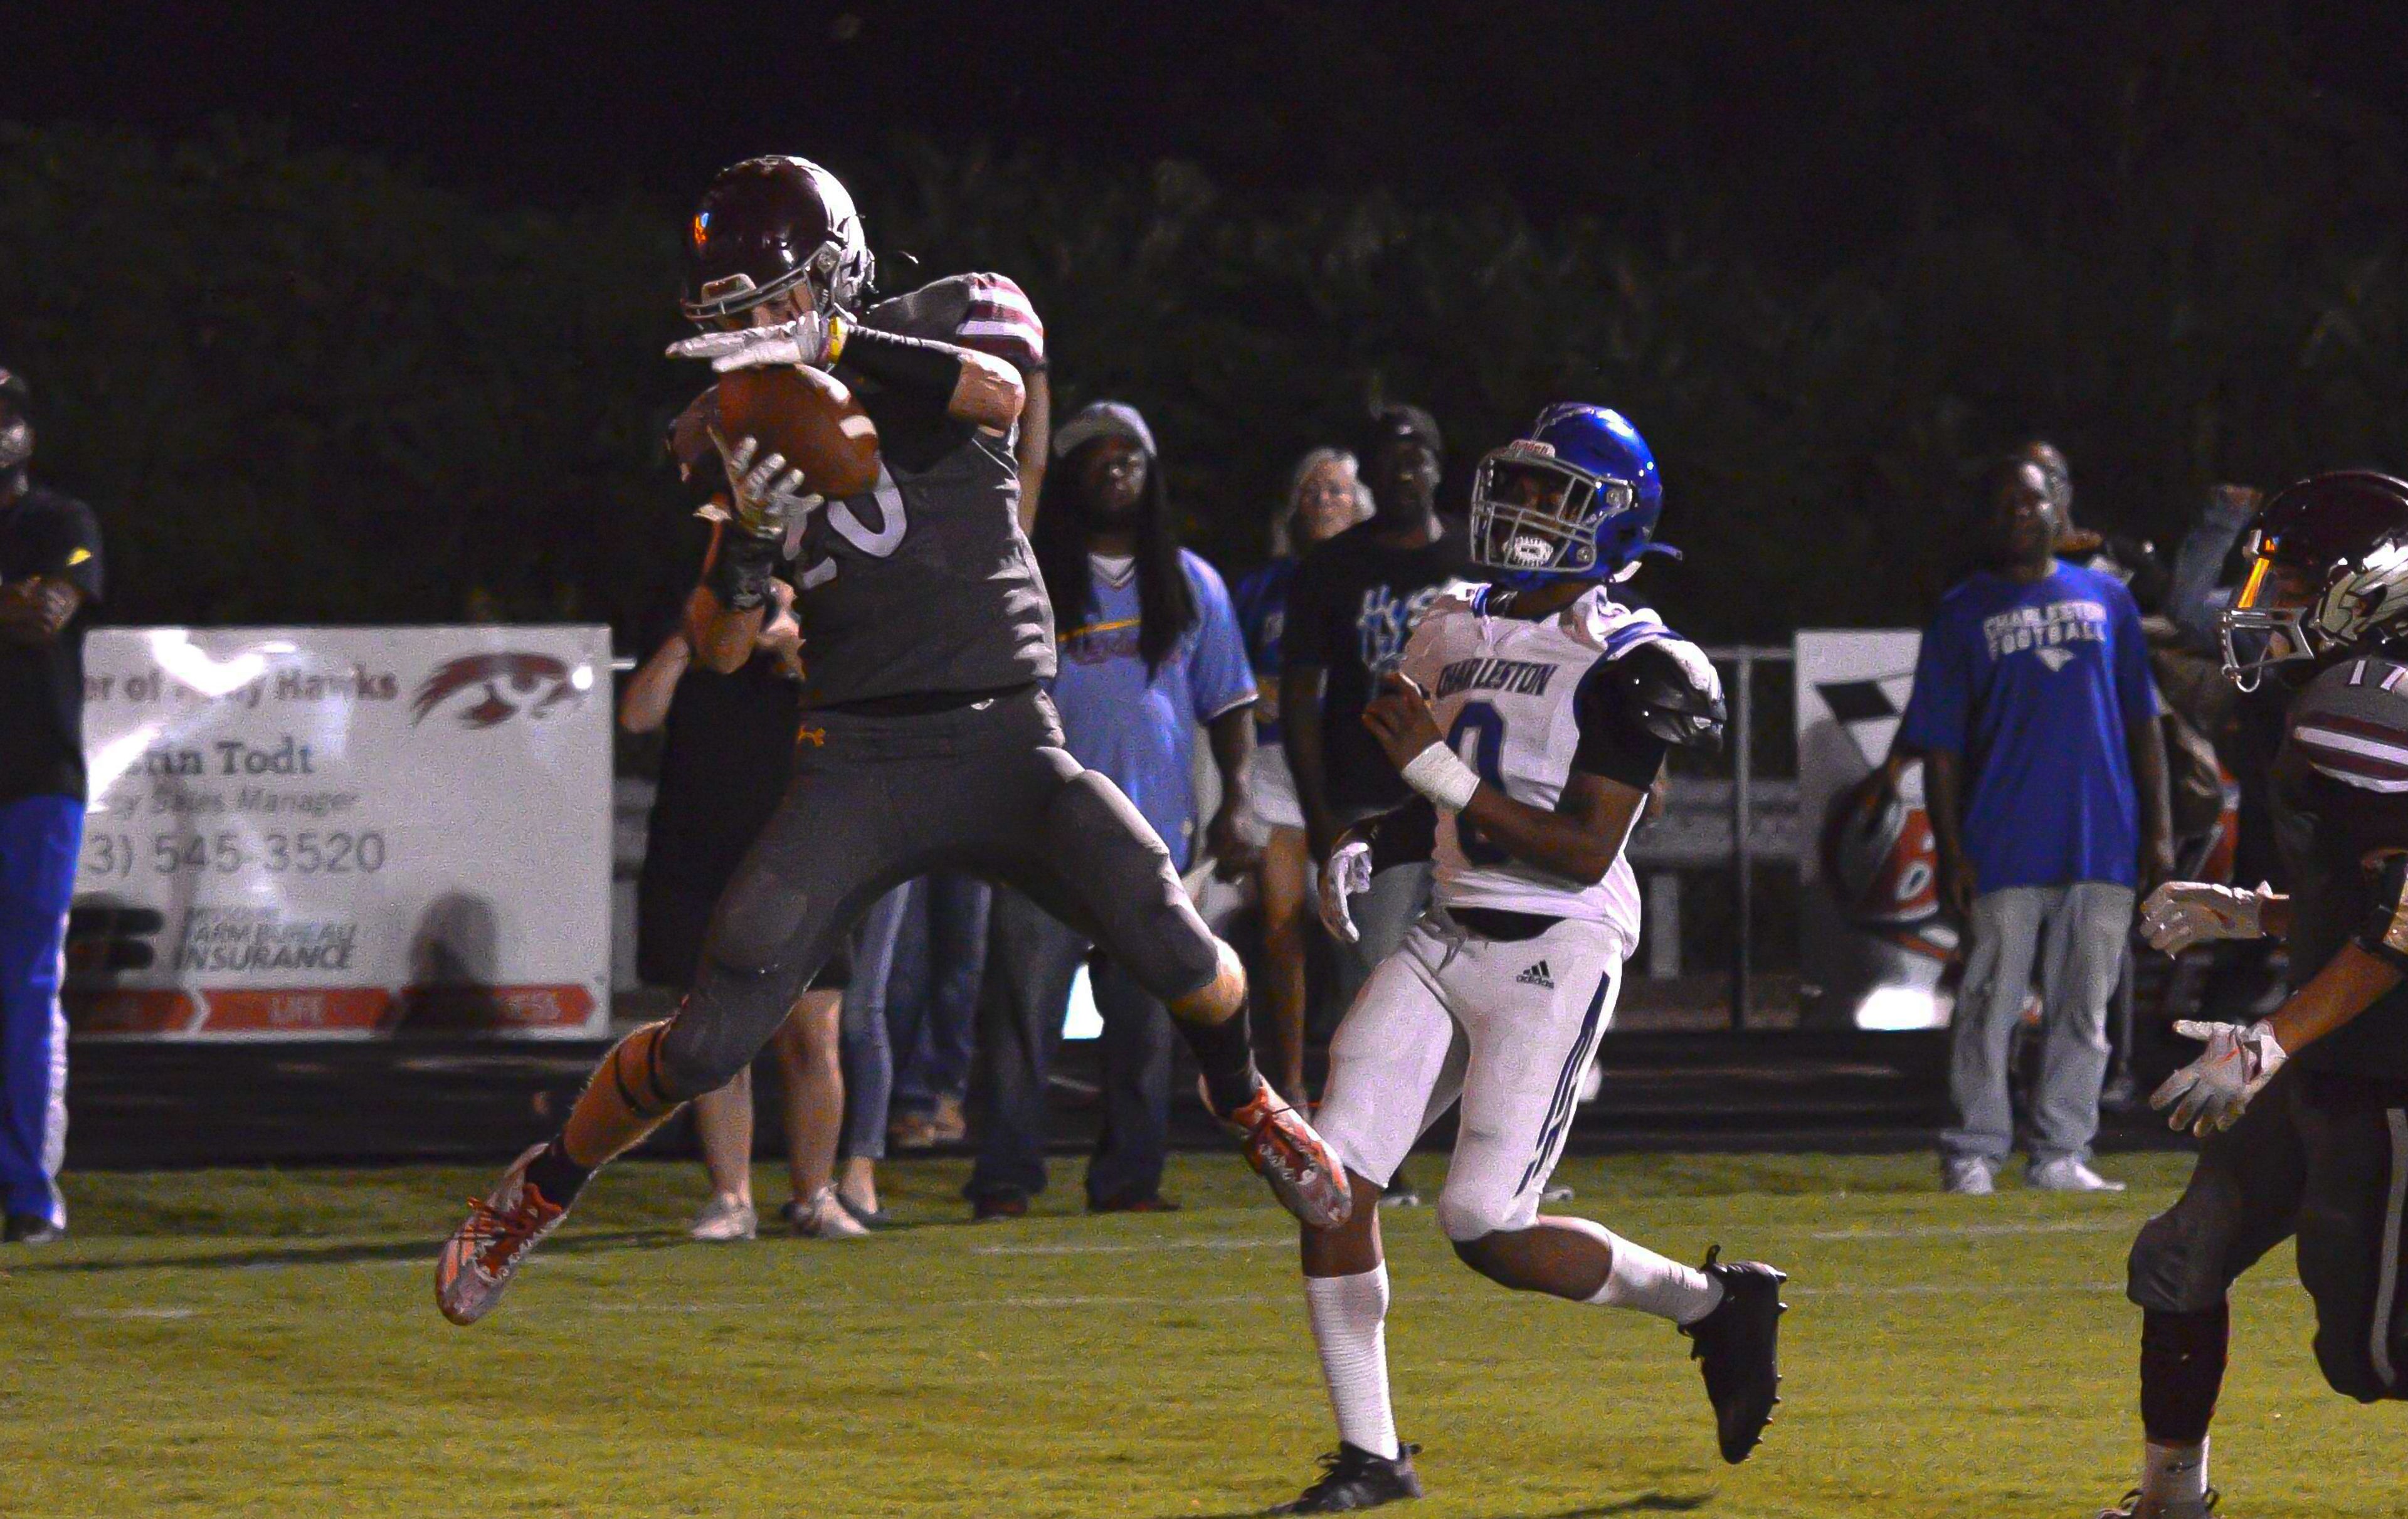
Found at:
<point>767,226</point>
<point>2327,573</point>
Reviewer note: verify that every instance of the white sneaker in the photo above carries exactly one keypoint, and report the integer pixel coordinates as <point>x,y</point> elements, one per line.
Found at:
<point>724,1220</point>
<point>824,1217</point>
<point>2067,1173</point>
<point>1968,1176</point>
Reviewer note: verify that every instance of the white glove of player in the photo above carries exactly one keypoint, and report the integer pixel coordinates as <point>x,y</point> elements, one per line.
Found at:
<point>1349,871</point>
<point>769,498</point>
<point>2214,1090</point>
<point>803,340</point>
<point>2182,913</point>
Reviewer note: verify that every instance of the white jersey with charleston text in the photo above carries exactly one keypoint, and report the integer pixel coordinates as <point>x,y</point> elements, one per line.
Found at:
<point>1503,691</point>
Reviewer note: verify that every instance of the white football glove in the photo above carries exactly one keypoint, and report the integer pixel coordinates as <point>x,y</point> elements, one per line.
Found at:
<point>769,498</point>
<point>803,340</point>
<point>2213,1091</point>
<point>1348,873</point>
<point>2182,913</point>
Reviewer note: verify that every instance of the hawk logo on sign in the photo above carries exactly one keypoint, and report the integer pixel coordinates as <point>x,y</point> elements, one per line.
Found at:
<point>507,685</point>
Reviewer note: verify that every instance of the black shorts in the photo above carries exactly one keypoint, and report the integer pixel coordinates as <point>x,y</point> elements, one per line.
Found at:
<point>2322,1156</point>
<point>672,919</point>
<point>984,787</point>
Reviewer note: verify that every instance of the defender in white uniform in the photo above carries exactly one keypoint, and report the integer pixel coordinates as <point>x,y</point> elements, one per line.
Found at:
<point>1532,717</point>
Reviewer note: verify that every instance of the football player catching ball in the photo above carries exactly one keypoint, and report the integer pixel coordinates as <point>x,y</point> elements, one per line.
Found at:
<point>927,742</point>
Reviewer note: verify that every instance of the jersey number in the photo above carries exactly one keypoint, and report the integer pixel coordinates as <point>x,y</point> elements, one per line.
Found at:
<point>882,544</point>
<point>1478,738</point>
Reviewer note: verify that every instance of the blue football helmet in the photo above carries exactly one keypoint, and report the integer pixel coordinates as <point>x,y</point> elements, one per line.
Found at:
<point>1579,496</point>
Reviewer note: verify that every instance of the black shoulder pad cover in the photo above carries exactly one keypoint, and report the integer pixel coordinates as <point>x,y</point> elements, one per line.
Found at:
<point>1670,688</point>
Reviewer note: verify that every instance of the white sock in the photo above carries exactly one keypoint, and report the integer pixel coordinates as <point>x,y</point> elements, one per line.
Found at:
<point>1350,1316</point>
<point>2174,1473</point>
<point>1649,1283</point>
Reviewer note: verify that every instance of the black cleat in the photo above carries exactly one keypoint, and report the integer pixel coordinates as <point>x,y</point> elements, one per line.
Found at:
<point>1354,1478</point>
<point>1738,1348</point>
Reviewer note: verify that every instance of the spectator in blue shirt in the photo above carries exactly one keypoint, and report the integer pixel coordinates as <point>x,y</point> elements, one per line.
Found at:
<point>1150,650</point>
<point>2046,776</point>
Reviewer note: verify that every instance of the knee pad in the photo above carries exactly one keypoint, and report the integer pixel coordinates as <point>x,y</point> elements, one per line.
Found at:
<point>1466,1214</point>
<point>753,923</point>
<point>2176,1264</point>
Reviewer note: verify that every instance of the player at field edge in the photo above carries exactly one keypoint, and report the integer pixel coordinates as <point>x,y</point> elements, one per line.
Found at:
<point>1532,716</point>
<point>2304,1113</point>
<point>927,740</point>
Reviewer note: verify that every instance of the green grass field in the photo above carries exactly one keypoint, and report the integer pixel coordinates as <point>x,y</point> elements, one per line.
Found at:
<point>226,1342</point>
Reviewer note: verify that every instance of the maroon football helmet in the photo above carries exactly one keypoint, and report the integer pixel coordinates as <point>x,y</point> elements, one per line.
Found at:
<point>767,226</point>
<point>2327,573</point>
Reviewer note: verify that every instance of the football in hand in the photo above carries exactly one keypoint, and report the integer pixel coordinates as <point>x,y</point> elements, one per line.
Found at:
<point>808,415</point>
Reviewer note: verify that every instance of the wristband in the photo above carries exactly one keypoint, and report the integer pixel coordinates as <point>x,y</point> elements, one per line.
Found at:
<point>1438,774</point>
<point>739,577</point>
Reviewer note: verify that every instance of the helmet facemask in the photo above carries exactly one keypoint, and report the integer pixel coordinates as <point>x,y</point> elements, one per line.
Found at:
<point>2286,615</point>
<point>836,277</point>
<point>1535,515</point>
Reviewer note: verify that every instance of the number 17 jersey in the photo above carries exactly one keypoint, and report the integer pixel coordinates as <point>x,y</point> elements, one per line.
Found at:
<point>1526,703</point>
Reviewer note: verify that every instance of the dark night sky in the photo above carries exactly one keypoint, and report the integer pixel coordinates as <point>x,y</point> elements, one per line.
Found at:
<point>1564,106</point>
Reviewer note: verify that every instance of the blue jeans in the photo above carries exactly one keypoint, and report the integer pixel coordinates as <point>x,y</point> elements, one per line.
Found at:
<point>932,993</point>
<point>862,1048</point>
<point>39,839</point>
<point>1032,958</point>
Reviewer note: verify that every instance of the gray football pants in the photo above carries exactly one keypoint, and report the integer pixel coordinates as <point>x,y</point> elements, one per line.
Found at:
<point>2077,935</point>
<point>986,788</point>
<point>2321,1155</point>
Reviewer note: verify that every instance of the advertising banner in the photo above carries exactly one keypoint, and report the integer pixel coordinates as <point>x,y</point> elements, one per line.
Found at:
<point>315,832</point>
<point>1875,940</point>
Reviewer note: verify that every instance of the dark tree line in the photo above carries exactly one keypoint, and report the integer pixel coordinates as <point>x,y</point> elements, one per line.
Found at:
<point>304,385</point>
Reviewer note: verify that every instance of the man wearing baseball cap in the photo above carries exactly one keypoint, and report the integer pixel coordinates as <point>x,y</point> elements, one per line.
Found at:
<point>1150,651</point>
<point>50,573</point>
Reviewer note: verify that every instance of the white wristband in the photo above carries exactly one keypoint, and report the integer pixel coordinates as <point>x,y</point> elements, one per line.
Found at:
<point>1438,774</point>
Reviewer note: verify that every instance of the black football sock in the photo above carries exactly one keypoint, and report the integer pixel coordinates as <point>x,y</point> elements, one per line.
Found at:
<point>557,1176</point>
<point>1226,1053</point>
<point>2182,1371</point>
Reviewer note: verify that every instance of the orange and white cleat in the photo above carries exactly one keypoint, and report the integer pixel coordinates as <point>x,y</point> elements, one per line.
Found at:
<point>484,1252</point>
<point>1283,1150</point>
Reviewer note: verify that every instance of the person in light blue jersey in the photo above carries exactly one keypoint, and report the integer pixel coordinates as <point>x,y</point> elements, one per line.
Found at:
<point>1150,650</point>
<point>2037,721</point>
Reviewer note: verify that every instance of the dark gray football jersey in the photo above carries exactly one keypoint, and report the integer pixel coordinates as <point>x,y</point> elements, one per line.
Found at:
<point>924,584</point>
<point>2339,805</point>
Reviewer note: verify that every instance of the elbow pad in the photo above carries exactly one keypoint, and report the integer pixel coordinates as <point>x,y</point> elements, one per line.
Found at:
<point>1671,690</point>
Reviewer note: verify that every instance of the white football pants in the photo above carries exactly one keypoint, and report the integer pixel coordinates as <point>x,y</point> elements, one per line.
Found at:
<point>1509,1027</point>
